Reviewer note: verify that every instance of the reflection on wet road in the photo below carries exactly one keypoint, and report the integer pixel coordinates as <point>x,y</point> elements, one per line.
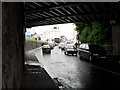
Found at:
<point>75,73</point>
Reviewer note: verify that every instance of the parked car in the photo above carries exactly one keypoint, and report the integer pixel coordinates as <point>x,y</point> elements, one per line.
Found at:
<point>46,49</point>
<point>91,52</point>
<point>70,49</point>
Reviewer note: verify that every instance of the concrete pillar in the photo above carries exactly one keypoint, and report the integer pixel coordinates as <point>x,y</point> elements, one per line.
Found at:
<point>12,43</point>
<point>116,38</point>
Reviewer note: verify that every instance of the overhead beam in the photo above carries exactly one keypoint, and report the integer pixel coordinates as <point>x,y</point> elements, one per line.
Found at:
<point>48,14</point>
<point>33,24</point>
<point>54,13</point>
<point>54,2</point>
<point>37,4</point>
<point>75,15</point>
<point>95,8</point>
<point>59,11</point>
<point>52,7</point>
<point>80,9</point>
<point>33,15</point>
<point>87,8</point>
<point>65,10</point>
<point>73,10</point>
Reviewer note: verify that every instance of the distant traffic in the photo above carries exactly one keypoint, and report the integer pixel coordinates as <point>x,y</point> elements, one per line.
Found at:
<point>88,51</point>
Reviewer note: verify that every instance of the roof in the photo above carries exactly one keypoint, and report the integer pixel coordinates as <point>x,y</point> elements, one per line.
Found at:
<point>49,13</point>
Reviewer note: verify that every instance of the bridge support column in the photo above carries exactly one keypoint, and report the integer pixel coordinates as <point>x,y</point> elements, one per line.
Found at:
<point>116,37</point>
<point>12,44</point>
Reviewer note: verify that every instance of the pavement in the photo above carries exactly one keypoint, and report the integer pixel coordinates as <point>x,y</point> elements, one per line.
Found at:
<point>34,75</point>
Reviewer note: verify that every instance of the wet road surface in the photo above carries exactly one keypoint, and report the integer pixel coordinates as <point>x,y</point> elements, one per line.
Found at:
<point>72,72</point>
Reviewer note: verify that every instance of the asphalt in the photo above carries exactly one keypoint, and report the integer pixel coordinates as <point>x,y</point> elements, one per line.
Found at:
<point>35,76</point>
<point>68,72</point>
<point>72,72</point>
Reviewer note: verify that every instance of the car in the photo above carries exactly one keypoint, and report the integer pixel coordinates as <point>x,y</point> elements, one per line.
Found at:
<point>70,49</point>
<point>69,42</point>
<point>56,44</point>
<point>61,44</point>
<point>46,49</point>
<point>51,45</point>
<point>91,52</point>
<point>63,47</point>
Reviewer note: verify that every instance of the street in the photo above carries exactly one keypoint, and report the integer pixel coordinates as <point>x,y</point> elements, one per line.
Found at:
<point>72,72</point>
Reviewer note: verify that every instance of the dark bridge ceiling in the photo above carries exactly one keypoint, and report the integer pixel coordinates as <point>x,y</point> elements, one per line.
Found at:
<point>48,13</point>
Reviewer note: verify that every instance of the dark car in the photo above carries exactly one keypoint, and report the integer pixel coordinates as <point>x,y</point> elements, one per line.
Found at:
<point>46,49</point>
<point>91,52</point>
<point>70,49</point>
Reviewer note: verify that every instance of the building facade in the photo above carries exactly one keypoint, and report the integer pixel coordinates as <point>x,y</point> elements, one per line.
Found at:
<point>52,33</point>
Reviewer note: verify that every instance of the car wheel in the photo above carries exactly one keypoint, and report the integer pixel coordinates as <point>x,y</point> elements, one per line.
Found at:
<point>90,58</point>
<point>76,54</point>
<point>81,57</point>
<point>49,52</point>
<point>65,53</point>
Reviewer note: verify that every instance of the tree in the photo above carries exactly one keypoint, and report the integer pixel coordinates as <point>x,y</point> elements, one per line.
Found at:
<point>84,34</point>
<point>95,32</point>
<point>81,28</point>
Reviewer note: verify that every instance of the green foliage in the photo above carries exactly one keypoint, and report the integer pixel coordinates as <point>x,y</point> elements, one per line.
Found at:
<point>96,35</point>
<point>80,26</point>
<point>84,34</point>
<point>30,39</point>
<point>94,32</point>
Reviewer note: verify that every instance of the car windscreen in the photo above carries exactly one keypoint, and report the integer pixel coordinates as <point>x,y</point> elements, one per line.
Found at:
<point>70,46</point>
<point>46,46</point>
<point>62,44</point>
<point>51,43</point>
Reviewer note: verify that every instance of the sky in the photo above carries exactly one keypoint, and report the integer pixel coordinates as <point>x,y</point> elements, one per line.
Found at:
<point>65,29</point>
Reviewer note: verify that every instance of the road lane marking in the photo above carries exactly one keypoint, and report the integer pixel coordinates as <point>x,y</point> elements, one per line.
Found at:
<point>105,70</point>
